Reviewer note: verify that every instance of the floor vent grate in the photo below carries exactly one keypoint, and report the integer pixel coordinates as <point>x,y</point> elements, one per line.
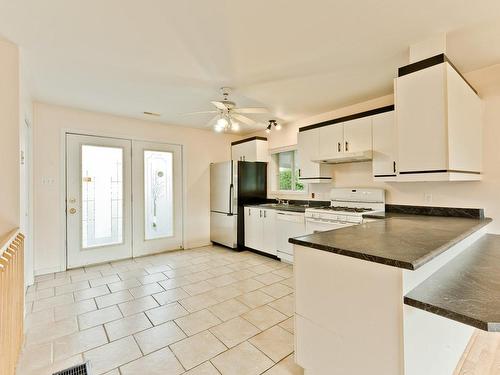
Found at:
<point>82,369</point>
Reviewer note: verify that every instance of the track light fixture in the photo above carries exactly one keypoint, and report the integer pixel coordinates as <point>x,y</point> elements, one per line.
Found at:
<point>271,124</point>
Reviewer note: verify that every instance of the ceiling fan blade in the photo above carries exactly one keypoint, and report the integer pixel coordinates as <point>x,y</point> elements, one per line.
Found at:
<point>212,121</point>
<point>250,110</point>
<point>220,105</point>
<point>243,119</point>
<point>199,113</point>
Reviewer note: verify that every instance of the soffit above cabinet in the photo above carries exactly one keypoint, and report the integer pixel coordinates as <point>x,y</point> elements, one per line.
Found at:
<point>371,112</point>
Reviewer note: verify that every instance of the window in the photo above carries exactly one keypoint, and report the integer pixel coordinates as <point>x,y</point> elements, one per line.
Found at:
<point>288,171</point>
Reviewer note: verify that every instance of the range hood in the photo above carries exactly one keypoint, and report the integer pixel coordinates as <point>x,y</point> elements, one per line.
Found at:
<point>347,157</point>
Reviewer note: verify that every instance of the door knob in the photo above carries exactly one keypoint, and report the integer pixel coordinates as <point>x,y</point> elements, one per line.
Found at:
<point>72,211</point>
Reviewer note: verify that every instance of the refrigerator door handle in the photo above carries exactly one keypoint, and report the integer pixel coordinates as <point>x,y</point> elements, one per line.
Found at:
<point>231,189</point>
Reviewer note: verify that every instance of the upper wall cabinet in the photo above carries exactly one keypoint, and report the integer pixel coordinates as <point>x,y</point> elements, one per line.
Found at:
<point>342,140</point>
<point>345,142</point>
<point>308,150</point>
<point>438,119</point>
<point>250,149</point>
<point>331,141</point>
<point>358,135</point>
<point>384,146</point>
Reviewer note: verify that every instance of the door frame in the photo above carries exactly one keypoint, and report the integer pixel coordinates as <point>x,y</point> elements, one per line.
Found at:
<point>63,265</point>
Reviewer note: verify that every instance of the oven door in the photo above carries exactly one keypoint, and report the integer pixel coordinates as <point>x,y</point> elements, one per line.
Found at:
<point>319,225</point>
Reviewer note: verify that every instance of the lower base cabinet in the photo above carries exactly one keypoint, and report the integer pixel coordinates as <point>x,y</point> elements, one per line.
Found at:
<point>260,229</point>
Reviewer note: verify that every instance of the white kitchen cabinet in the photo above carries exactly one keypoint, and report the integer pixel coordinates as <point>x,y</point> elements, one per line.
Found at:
<point>260,229</point>
<point>308,150</point>
<point>384,145</point>
<point>253,227</point>
<point>251,149</point>
<point>345,141</point>
<point>358,135</point>
<point>268,232</point>
<point>439,129</point>
<point>331,141</point>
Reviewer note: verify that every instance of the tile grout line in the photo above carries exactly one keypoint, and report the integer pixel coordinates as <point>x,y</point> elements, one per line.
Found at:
<point>215,258</point>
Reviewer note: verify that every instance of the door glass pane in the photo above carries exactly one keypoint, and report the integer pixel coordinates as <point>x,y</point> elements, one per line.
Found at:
<point>158,194</point>
<point>102,196</point>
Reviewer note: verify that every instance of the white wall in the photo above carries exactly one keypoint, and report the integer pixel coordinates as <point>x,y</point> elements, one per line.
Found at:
<point>201,147</point>
<point>26,170</point>
<point>483,194</point>
<point>9,136</point>
<point>15,107</point>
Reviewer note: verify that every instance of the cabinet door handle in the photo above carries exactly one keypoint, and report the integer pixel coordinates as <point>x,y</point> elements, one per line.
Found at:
<point>394,166</point>
<point>346,146</point>
<point>250,212</point>
<point>260,213</point>
<point>299,172</point>
<point>265,214</point>
<point>338,146</point>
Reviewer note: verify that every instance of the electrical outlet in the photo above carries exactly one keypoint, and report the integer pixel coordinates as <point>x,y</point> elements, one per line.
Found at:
<point>48,181</point>
<point>427,197</point>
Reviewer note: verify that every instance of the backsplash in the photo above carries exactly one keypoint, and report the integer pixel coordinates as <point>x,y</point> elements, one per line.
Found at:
<point>321,193</point>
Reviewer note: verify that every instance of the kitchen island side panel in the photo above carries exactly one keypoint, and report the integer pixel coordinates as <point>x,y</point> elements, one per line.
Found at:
<point>349,315</point>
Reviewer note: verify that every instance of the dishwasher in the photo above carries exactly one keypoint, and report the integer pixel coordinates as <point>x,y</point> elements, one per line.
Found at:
<point>288,224</point>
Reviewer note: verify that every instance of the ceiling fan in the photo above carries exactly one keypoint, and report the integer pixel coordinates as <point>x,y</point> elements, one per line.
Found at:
<point>228,115</point>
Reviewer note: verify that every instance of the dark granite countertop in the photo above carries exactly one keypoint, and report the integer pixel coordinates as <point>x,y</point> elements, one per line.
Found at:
<point>401,240</point>
<point>294,205</point>
<point>395,210</point>
<point>466,289</point>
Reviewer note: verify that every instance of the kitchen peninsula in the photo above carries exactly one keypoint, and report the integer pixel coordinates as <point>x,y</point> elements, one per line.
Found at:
<point>398,295</point>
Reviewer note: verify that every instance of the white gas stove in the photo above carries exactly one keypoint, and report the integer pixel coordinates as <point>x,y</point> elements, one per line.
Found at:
<point>348,205</point>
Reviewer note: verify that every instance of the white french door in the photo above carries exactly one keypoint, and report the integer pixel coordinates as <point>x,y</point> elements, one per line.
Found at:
<point>98,199</point>
<point>157,206</point>
<point>103,221</point>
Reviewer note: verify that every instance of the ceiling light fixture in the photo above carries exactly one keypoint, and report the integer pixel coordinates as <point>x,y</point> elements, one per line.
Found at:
<point>226,123</point>
<point>235,126</point>
<point>222,122</point>
<point>271,124</point>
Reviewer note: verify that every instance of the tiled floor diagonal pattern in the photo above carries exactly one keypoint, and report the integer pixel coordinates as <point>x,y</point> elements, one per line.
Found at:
<point>195,312</point>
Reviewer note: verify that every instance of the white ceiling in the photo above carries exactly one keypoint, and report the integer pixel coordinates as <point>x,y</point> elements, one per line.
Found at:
<point>296,57</point>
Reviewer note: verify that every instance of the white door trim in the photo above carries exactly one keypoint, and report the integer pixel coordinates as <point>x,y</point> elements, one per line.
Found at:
<point>63,263</point>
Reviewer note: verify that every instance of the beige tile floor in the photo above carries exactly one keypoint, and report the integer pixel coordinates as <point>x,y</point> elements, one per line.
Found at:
<point>202,311</point>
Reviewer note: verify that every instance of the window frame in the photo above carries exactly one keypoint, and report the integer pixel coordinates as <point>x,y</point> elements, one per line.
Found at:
<point>295,174</point>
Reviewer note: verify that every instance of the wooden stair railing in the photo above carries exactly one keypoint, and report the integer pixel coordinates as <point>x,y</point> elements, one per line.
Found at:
<point>11,300</point>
